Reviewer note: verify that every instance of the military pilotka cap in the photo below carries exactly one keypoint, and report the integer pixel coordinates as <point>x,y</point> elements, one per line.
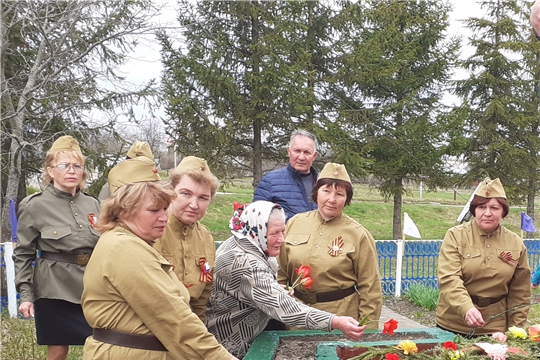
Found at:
<point>334,171</point>
<point>130,171</point>
<point>65,143</point>
<point>193,164</point>
<point>491,189</point>
<point>140,148</point>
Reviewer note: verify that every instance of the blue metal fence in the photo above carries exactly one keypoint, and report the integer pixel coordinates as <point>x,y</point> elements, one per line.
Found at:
<point>419,263</point>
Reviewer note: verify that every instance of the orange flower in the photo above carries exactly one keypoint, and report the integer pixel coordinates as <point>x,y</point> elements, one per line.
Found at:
<point>390,326</point>
<point>534,333</point>
<point>303,271</point>
<point>306,282</point>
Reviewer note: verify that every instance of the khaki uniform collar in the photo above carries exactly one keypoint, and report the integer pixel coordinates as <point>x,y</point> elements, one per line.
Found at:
<point>336,218</point>
<point>62,194</point>
<point>179,227</point>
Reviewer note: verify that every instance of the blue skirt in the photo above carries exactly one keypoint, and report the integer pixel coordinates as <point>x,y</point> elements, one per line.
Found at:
<point>60,322</point>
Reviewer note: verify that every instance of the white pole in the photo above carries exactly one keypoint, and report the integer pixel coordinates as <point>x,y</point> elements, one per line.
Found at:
<point>174,151</point>
<point>10,274</point>
<point>421,183</point>
<point>399,265</point>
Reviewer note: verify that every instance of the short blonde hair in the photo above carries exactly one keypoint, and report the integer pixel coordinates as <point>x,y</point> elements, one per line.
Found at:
<point>127,201</point>
<point>197,176</point>
<point>52,157</point>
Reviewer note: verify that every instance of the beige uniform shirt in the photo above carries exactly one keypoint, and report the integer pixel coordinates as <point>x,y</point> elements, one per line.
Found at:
<point>307,242</point>
<point>53,221</point>
<point>184,246</point>
<point>470,264</point>
<point>129,287</point>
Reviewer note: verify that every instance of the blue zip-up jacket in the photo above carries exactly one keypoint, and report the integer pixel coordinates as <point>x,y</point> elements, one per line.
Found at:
<point>284,187</point>
<point>536,276</point>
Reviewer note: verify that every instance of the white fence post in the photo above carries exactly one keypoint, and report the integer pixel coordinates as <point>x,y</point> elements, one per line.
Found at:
<point>10,275</point>
<point>399,266</point>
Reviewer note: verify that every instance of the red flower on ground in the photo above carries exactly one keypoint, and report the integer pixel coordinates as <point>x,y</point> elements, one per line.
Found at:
<point>389,327</point>
<point>449,345</point>
<point>306,282</point>
<point>303,271</point>
<point>391,356</point>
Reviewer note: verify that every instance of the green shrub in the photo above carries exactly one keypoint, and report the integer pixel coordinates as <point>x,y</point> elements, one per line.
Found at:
<point>31,190</point>
<point>424,296</point>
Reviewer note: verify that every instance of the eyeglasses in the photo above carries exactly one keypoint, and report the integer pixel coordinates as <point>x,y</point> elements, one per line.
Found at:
<point>65,167</point>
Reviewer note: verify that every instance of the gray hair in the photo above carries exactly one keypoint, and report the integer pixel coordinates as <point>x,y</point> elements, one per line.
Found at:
<point>277,213</point>
<point>305,133</point>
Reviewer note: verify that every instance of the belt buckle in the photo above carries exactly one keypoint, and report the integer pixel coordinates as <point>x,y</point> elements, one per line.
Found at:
<point>310,298</point>
<point>483,302</point>
<point>82,259</point>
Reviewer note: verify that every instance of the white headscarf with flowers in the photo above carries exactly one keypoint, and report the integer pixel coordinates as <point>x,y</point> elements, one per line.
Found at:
<point>251,222</point>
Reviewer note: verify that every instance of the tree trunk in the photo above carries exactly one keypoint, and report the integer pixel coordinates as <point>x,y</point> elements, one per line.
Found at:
<point>398,200</point>
<point>257,139</point>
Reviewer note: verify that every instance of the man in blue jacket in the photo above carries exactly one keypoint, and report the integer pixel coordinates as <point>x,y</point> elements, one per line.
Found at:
<point>291,186</point>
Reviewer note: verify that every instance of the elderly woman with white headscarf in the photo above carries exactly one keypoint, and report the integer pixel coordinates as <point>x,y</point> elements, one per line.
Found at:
<point>245,292</point>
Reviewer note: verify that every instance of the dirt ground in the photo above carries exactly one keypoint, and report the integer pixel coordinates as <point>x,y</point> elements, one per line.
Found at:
<point>302,349</point>
<point>411,311</point>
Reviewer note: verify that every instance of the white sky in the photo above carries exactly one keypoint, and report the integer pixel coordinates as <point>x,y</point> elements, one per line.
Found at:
<point>146,64</point>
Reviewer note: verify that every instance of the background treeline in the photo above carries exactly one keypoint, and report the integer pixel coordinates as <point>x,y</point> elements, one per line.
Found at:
<point>375,80</point>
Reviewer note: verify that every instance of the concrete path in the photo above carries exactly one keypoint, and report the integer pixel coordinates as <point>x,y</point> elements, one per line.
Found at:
<point>403,322</point>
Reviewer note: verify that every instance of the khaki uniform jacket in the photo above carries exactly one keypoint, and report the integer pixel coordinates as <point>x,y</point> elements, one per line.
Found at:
<point>469,264</point>
<point>307,242</point>
<point>184,246</point>
<point>129,287</point>
<point>54,221</point>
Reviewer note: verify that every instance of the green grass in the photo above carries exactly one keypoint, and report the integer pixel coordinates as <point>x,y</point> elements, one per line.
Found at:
<point>19,341</point>
<point>423,296</point>
<point>434,214</point>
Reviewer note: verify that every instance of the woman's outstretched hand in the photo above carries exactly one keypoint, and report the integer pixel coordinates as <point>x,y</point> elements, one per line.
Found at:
<point>348,326</point>
<point>474,318</point>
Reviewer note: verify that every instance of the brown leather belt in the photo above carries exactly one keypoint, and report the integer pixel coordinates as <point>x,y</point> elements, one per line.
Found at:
<point>312,298</point>
<point>135,341</point>
<point>79,259</point>
<point>483,302</point>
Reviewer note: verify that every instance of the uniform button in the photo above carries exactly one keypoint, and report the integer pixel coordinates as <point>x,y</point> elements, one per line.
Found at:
<point>296,242</point>
<point>186,256</point>
<point>489,258</point>
<point>80,226</point>
<point>71,202</point>
<point>186,273</point>
<point>320,234</point>
<point>76,214</point>
<point>468,255</point>
<point>488,245</point>
<point>55,232</point>
<point>317,246</point>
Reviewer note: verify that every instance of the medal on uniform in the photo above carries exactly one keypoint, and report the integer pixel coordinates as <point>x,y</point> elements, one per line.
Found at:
<point>205,276</point>
<point>507,258</point>
<point>92,219</point>
<point>188,285</point>
<point>337,244</point>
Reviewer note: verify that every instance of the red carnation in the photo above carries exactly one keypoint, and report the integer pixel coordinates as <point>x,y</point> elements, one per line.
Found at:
<point>389,327</point>
<point>449,345</point>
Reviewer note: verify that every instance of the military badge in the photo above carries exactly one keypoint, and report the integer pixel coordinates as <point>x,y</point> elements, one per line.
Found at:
<point>92,219</point>
<point>337,244</point>
<point>206,275</point>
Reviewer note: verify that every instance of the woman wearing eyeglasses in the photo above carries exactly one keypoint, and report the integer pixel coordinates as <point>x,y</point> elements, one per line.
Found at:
<point>59,221</point>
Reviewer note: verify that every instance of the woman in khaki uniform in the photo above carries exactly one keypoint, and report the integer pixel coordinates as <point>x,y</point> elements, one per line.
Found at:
<point>339,251</point>
<point>59,221</point>
<point>187,243</point>
<point>132,299</point>
<point>483,270</point>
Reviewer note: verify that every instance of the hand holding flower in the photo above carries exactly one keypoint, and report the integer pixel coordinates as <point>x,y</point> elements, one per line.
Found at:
<point>474,318</point>
<point>348,326</point>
